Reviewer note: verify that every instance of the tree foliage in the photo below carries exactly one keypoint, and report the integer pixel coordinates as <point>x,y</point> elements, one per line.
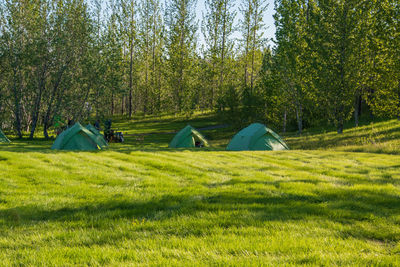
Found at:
<point>332,60</point>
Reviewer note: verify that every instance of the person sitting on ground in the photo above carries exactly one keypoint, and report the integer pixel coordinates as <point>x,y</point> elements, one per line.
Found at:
<point>97,125</point>
<point>119,137</point>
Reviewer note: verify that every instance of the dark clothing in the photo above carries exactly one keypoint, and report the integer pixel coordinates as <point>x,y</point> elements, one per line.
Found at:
<point>97,125</point>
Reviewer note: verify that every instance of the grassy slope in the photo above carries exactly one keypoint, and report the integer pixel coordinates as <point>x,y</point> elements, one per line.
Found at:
<point>378,137</point>
<point>141,203</point>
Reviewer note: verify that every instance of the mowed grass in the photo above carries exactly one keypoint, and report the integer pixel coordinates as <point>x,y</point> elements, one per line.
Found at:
<point>139,203</point>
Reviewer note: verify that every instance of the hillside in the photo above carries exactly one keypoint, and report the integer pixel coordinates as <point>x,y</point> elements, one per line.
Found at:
<point>374,137</point>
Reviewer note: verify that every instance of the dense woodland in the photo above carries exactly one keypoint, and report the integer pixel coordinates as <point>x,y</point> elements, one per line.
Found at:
<point>331,61</point>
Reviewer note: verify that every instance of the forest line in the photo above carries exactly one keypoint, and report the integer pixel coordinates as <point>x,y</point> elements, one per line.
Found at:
<point>331,60</point>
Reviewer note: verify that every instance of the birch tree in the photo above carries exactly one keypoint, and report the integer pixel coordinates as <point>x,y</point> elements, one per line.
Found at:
<point>181,50</point>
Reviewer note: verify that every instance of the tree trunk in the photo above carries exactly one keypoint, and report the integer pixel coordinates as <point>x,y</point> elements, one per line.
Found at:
<point>17,107</point>
<point>357,109</point>
<point>253,48</point>
<point>284,120</point>
<point>146,87</point>
<point>398,95</point>
<point>25,114</point>
<point>46,120</point>
<point>299,119</point>
<point>135,100</point>
<point>46,125</point>
<point>213,86</point>
<point>340,120</point>
<point>130,103</point>
<point>340,114</point>
<point>223,47</point>
<point>146,74</point>
<point>159,86</point>
<point>78,114</point>
<point>247,48</point>
<point>122,105</point>
<point>371,99</point>
<point>35,113</point>
<point>153,76</point>
<point>112,103</point>
<point>181,80</point>
<point>131,63</point>
<point>36,108</point>
<point>59,98</point>
<point>340,126</point>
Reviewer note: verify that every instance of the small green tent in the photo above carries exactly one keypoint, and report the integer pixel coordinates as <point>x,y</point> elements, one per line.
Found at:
<point>187,137</point>
<point>76,137</point>
<point>256,137</point>
<point>3,138</point>
<point>99,136</point>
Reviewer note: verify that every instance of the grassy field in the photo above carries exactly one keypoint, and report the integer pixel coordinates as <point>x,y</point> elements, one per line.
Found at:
<point>140,203</point>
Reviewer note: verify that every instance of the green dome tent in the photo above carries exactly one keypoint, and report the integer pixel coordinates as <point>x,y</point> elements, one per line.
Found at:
<point>256,137</point>
<point>100,138</point>
<point>187,137</point>
<point>3,138</point>
<point>76,137</point>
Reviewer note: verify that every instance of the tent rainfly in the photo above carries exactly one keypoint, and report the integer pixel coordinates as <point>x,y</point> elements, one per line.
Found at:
<point>100,138</point>
<point>256,137</point>
<point>76,137</point>
<point>3,138</point>
<point>187,137</point>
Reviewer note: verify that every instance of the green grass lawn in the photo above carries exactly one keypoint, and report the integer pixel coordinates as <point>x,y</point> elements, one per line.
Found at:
<point>140,203</point>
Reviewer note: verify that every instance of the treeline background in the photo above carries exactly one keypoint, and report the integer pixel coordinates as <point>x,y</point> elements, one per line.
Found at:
<point>330,62</point>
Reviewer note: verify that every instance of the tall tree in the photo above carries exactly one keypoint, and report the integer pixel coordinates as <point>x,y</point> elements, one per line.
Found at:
<point>181,49</point>
<point>114,60</point>
<point>383,95</point>
<point>151,49</point>
<point>13,43</point>
<point>291,20</point>
<point>339,22</point>
<point>71,35</point>
<point>252,27</point>
<point>129,29</point>
<point>217,29</point>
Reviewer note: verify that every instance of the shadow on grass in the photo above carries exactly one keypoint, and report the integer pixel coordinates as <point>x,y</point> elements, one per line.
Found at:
<point>22,145</point>
<point>121,149</point>
<point>230,209</point>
